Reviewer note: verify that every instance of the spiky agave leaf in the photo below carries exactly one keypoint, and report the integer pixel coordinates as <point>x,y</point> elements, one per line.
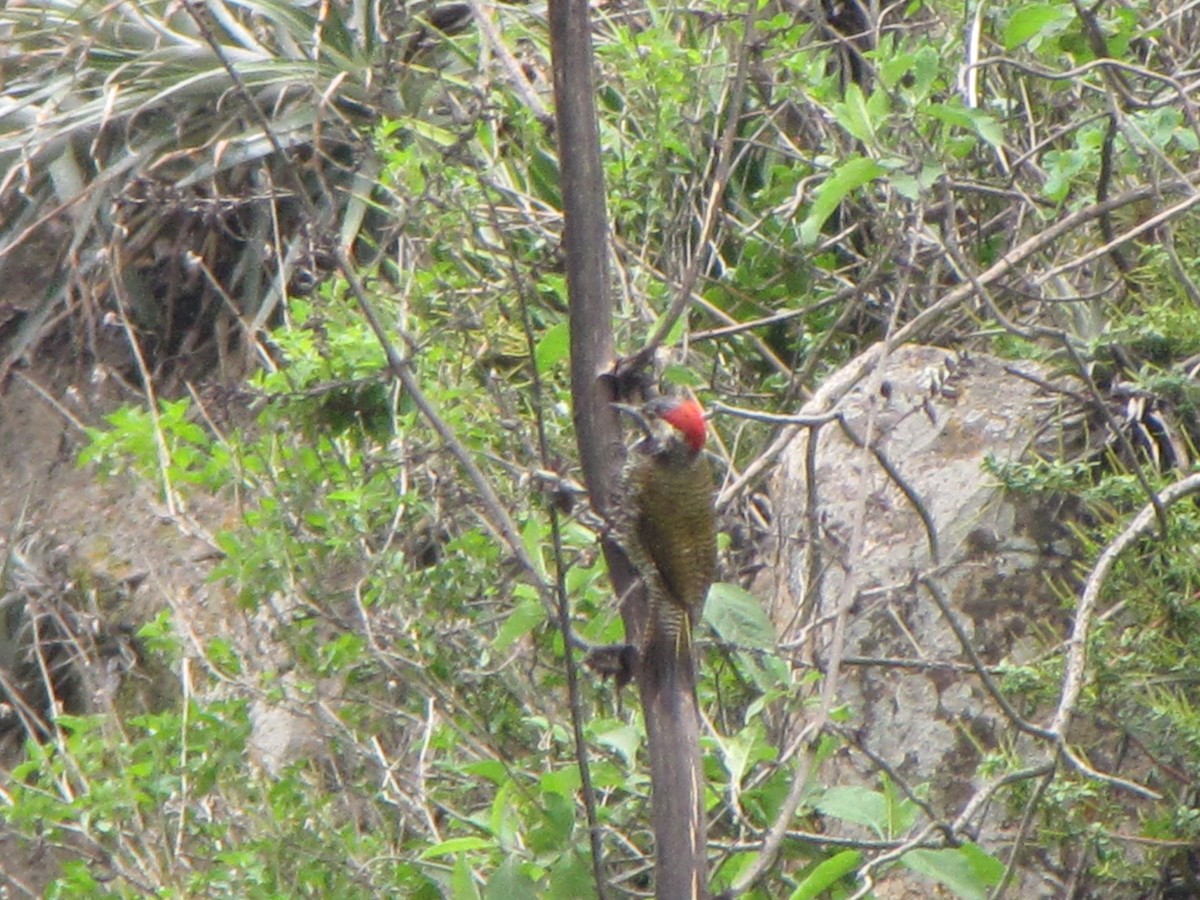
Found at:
<point>121,123</point>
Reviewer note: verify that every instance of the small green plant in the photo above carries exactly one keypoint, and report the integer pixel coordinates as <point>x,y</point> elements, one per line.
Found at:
<point>1039,476</point>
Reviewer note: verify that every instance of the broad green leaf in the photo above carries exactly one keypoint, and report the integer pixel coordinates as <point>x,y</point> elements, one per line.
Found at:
<point>859,805</point>
<point>895,68</point>
<point>952,113</point>
<point>879,104</point>
<point>1036,20</point>
<point>730,869</point>
<point>986,127</point>
<point>1062,166</point>
<point>75,875</point>
<point>901,812</point>
<point>926,68</point>
<point>462,883</point>
<point>624,739</point>
<point>906,185</point>
<point>563,782</point>
<point>738,618</point>
<point>525,617</point>
<point>77,725</point>
<point>967,871</point>
<point>853,115</point>
<point>742,750</point>
<point>557,824</point>
<point>553,348</point>
<point>571,877</point>
<point>560,816</point>
<point>508,881</point>
<point>455,845</point>
<point>533,535</point>
<point>491,769</point>
<point>543,175</point>
<point>847,177</point>
<point>504,818</point>
<point>983,863</point>
<point>676,332</point>
<point>443,137</point>
<point>826,875</point>
<point>683,375</point>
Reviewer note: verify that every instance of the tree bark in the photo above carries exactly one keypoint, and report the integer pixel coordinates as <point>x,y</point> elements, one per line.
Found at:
<point>668,693</point>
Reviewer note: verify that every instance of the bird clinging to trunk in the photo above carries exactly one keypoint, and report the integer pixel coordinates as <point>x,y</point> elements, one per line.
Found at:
<point>670,524</point>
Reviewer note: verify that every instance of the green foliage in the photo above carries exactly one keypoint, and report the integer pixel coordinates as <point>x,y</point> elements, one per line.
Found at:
<point>847,177</point>
<point>825,875</point>
<point>125,790</point>
<point>384,599</point>
<point>885,812</point>
<point>166,447</point>
<point>1160,332</point>
<point>1039,475</point>
<point>1138,656</point>
<point>967,870</point>
<point>1035,22</point>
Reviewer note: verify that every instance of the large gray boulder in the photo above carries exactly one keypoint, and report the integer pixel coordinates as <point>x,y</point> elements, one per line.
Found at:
<point>902,493</point>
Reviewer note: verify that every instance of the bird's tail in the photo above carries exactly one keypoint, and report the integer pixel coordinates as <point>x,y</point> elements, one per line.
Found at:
<point>667,642</point>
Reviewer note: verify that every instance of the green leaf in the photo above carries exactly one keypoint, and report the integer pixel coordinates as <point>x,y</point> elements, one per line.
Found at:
<point>552,348</point>
<point>967,871</point>
<point>504,818</point>
<point>533,535</point>
<point>223,656</point>
<point>952,113</point>
<point>491,769</point>
<point>556,826</point>
<point>853,115</point>
<point>341,653</point>
<point>859,805</point>
<point>741,751</point>
<point>676,332</point>
<point>986,127</point>
<point>906,185</point>
<point>543,175</point>
<point>1062,166</point>
<point>462,885</point>
<point>901,812</point>
<point>738,618</point>
<point>77,725</point>
<point>624,739</point>
<point>509,881</point>
<point>564,782</point>
<point>987,866</point>
<point>879,104</point>
<point>926,68</point>
<point>683,376</point>
<point>1037,20</point>
<point>525,617</point>
<point>442,137</point>
<point>893,69</point>
<point>75,875</point>
<point>455,845</point>
<point>826,875</point>
<point>560,814</point>
<point>571,877</point>
<point>847,177</point>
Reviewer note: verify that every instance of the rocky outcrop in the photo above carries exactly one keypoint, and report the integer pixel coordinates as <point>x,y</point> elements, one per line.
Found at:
<point>895,506</point>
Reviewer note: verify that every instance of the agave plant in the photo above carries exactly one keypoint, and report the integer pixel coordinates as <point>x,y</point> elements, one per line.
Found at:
<point>179,166</point>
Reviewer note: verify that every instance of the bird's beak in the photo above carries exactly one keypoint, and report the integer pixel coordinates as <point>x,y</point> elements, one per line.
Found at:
<point>636,414</point>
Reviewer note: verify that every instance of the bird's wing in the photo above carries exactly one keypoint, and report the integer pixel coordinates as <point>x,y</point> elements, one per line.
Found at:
<point>658,547</point>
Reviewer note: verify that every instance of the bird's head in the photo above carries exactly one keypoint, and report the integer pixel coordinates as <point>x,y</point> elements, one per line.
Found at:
<point>670,419</point>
